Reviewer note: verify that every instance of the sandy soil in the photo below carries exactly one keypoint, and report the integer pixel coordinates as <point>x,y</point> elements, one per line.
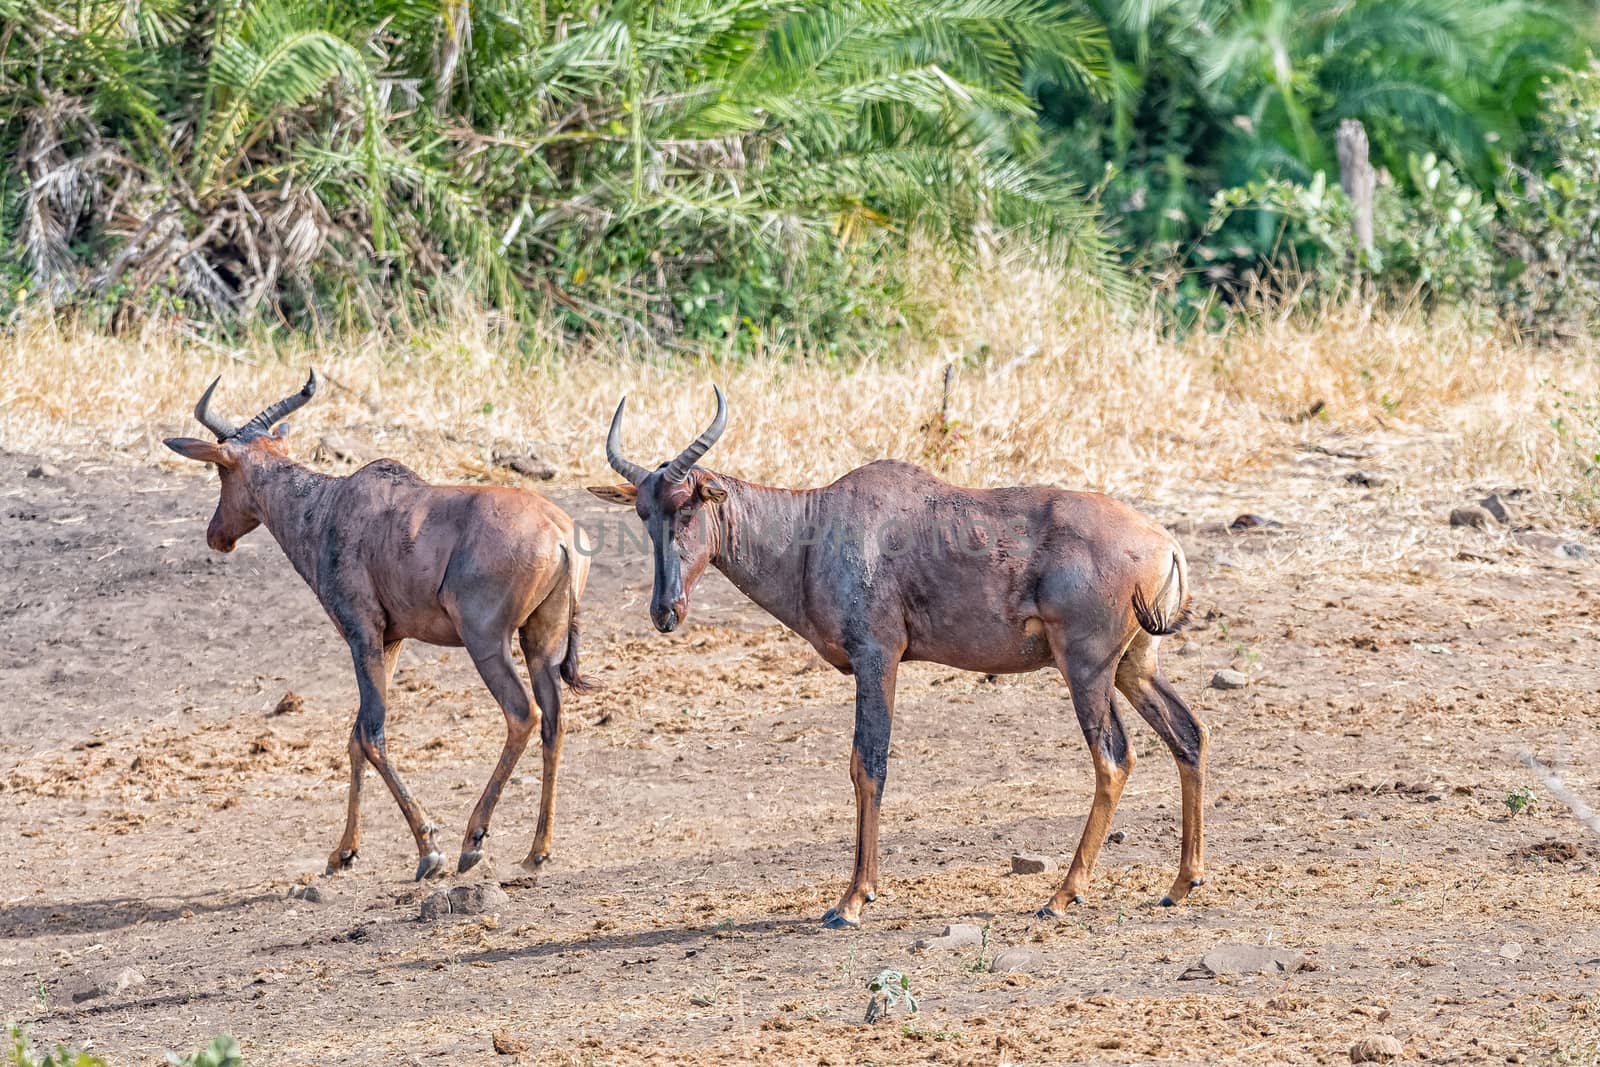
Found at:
<point>1357,813</point>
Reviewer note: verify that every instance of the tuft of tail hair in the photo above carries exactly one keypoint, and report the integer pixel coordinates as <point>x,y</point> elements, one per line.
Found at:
<point>1159,622</point>
<point>569,663</point>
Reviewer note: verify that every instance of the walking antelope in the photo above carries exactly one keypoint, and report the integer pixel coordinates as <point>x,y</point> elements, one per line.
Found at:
<point>391,558</point>
<point>890,564</point>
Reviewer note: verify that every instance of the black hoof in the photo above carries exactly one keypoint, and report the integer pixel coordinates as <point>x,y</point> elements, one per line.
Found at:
<point>1047,912</point>
<point>1166,902</point>
<point>468,861</point>
<point>834,921</point>
<point>430,866</point>
<point>344,862</point>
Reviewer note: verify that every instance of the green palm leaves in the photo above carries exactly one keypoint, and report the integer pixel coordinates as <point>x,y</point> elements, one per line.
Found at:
<point>315,159</point>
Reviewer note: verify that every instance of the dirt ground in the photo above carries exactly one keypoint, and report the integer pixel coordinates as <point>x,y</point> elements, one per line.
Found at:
<point>1357,812</point>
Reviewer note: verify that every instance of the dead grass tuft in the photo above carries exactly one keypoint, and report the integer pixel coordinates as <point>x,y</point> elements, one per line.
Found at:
<point>1050,386</point>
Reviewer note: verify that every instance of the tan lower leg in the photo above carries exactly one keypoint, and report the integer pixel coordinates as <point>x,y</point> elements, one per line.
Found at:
<point>1191,857</point>
<point>547,802</point>
<point>517,734</point>
<point>1109,780</point>
<point>350,841</point>
<point>863,880</point>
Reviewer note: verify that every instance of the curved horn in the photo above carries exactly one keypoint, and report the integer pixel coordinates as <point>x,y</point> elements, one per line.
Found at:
<point>215,423</point>
<point>620,463</point>
<point>283,408</point>
<point>678,469</point>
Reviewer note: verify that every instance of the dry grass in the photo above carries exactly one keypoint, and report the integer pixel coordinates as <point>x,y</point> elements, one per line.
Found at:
<point>1051,386</point>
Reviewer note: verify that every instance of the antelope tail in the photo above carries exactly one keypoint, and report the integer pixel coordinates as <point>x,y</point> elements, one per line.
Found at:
<point>569,663</point>
<point>1170,612</point>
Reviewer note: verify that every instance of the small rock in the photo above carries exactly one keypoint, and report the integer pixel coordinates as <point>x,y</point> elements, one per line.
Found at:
<point>477,899</point>
<point>289,704</point>
<point>1511,950</point>
<point>1229,679</point>
<point>434,906</point>
<point>1549,851</point>
<point>111,985</point>
<point>955,936</point>
<point>1474,515</point>
<point>308,893</point>
<point>507,1045</point>
<point>1254,522</point>
<point>1496,507</point>
<point>45,470</point>
<point>1225,561</point>
<point>1549,543</point>
<point>526,464</point>
<point>1024,864</point>
<point>1367,479</point>
<point>1014,960</point>
<point>343,449</point>
<point>1244,959</point>
<point>1117,837</point>
<point>1377,1048</point>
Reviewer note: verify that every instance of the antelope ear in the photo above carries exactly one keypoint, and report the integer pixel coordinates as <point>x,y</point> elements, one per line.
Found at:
<point>616,494</point>
<point>712,492</point>
<point>193,448</point>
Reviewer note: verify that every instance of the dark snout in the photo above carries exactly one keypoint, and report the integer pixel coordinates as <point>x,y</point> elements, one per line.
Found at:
<point>669,617</point>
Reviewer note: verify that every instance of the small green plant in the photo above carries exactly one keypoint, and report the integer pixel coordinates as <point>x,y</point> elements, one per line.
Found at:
<point>889,989</point>
<point>19,1052</point>
<point>1521,800</point>
<point>982,962</point>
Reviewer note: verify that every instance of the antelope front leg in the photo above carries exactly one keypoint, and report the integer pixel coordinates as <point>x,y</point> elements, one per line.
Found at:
<point>869,769</point>
<point>372,681</point>
<point>345,852</point>
<point>343,856</point>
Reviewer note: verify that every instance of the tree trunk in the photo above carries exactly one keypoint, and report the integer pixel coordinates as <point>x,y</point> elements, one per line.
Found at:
<point>1357,178</point>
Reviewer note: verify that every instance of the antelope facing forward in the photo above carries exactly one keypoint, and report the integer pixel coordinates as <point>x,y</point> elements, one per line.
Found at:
<point>890,564</point>
<point>391,557</point>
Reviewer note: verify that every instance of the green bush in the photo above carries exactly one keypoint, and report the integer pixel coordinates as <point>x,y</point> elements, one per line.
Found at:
<point>1550,221</point>
<point>220,1052</point>
<point>1436,237</point>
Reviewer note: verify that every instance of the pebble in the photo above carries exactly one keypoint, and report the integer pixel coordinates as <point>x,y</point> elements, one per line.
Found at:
<point>1475,516</point>
<point>480,899</point>
<point>955,936</point>
<point>434,906</point>
<point>123,980</point>
<point>343,449</point>
<point>1022,863</point>
<point>1496,507</point>
<point>526,464</point>
<point>45,470</point>
<point>1232,958</point>
<point>1229,679</point>
<point>1376,1048</point>
<point>1555,546</point>
<point>1367,479</point>
<point>508,1044</point>
<point>1117,837</point>
<point>1014,960</point>
<point>308,893</point>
